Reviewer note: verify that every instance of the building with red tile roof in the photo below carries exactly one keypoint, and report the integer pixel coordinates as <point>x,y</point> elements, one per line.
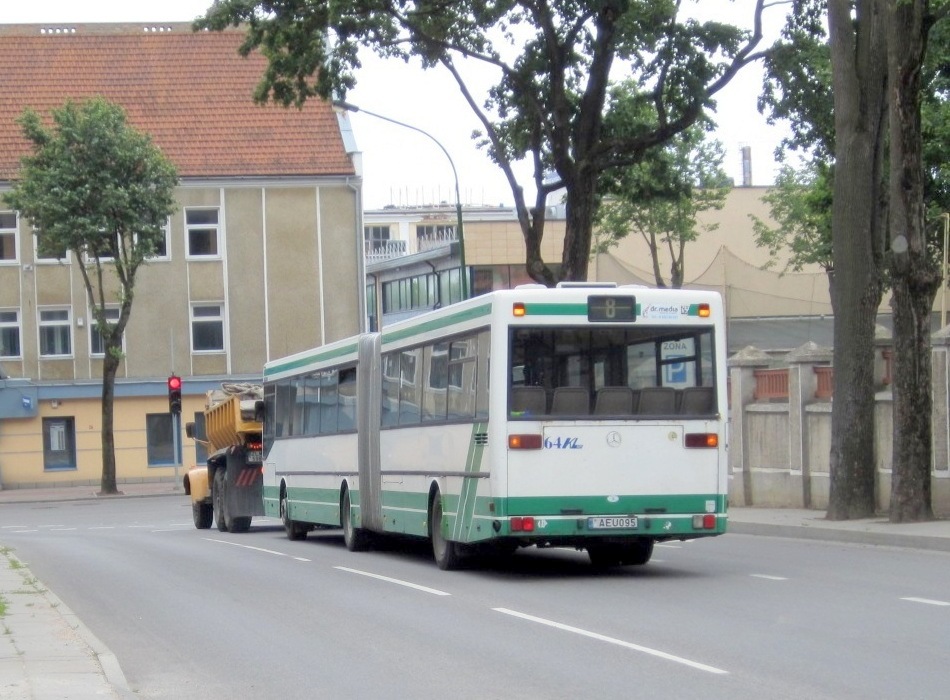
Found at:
<point>263,257</point>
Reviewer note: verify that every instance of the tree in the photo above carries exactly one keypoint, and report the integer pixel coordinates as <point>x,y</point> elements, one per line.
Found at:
<point>913,273</point>
<point>97,187</point>
<point>915,168</point>
<point>800,204</point>
<point>553,60</point>
<point>661,197</point>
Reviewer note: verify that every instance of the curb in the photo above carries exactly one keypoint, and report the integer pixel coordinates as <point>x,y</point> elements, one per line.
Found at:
<point>107,660</point>
<point>827,534</point>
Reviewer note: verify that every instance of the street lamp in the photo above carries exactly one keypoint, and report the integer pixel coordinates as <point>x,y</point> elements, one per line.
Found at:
<point>348,107</point>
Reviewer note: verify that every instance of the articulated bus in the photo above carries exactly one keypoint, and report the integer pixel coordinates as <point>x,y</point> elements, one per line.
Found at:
<point>586,416</point>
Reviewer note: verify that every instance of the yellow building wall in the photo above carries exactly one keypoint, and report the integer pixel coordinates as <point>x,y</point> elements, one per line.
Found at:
<point>21,443</point>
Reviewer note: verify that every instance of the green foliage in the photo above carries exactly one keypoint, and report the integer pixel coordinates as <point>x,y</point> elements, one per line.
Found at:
<point>800,203</point>
<point>661,197</point>
<point>552,61</point>
<point>95,186</point>
<point>798,90</point>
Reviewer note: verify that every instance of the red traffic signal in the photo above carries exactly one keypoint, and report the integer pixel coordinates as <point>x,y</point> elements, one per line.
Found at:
<point>174,394</point>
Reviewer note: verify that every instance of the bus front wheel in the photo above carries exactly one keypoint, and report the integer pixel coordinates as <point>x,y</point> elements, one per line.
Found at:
<point>295,530</point>
<point>447,554</point>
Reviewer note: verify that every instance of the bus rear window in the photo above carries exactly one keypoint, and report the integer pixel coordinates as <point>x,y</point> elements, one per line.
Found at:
<point>611,372</point>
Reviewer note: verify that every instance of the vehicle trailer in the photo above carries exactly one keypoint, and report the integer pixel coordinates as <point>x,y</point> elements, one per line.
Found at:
<point>228,489</point>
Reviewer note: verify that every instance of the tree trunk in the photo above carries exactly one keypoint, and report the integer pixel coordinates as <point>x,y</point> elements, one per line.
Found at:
<point>110,365</point>
<point>579,212</point>
<point>915,278</point>
<point>859,69</point>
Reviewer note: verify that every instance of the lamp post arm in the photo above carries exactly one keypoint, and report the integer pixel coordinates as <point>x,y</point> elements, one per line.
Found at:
<point>347,106</point>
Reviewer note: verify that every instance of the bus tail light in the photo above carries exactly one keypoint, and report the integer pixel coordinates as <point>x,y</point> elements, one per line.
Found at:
<point>704,522</point>
<point>702,440</point>
<point>704,311</point>
<point>525,524</point>
<point>517,309</point>
<point>530,441</point>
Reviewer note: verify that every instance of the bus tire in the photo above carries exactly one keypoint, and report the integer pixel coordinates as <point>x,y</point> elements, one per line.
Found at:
<point>295,530</point>
<point>355,538</point>
<point>603,556</point>
<point>219,500</point>
<point>637,553</point>
<point>447,554</point>
<point>202,513</point>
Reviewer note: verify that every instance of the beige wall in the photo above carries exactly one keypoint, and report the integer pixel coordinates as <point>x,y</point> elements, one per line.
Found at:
<point>288,276</point>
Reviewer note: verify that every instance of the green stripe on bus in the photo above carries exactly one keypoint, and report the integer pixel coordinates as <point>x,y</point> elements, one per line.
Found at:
<point>436,324</point>
<point>652,505</point>
<point>319,356</point>
<point>541,309</point>
<point>473,463</point>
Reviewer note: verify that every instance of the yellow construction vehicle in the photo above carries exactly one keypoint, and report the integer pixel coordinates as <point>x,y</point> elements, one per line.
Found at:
<point>228,489</point>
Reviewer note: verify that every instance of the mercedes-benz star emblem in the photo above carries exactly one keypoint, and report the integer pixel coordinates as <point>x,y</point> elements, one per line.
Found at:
<point>613,438</point>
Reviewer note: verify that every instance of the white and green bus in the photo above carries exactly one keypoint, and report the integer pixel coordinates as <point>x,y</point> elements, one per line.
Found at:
<point>587,416</point>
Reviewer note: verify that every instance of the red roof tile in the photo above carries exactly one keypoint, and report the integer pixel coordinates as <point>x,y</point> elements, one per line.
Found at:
<point>191,92</point>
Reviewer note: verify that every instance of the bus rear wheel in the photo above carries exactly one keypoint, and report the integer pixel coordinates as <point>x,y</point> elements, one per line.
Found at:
<point>356,539</point>
<point>635,553</point>
<point>447,554</point>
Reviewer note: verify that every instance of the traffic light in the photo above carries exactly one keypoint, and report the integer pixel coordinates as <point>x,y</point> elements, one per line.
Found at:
<point>174,394</point>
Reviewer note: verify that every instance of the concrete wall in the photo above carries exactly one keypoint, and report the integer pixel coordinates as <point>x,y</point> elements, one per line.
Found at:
<point>779,451</point>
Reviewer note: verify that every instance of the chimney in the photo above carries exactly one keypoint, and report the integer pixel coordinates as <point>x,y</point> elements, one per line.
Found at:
<point>746,166</point>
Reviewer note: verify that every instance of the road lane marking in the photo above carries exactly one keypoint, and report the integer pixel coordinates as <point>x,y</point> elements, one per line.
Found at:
<point>103,527</point>
<point>63,529</point>
<point>611,640</point>
<point>399,582</point>
<point>256,549</point>
<point>769,578</point>
<point>927,601</point>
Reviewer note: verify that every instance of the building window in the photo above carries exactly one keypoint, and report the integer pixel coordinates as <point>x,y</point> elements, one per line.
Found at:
<point>59,444</point>
<point>97,344</point>
<point>55,333</point>
<point>8,237</point>
<point>201,232</point>
<point>160,439</point>
<point>162,250</point>
<point>45,252</point>
<point>376,237</point>
<point>9,333</point>
<point>207,328</point>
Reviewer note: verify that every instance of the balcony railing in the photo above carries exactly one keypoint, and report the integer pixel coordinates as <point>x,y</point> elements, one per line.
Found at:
<point>770,384</point>
<point>377,251</point>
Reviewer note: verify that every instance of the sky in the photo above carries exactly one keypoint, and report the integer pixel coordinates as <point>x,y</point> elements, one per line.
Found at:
<point>402,167</point>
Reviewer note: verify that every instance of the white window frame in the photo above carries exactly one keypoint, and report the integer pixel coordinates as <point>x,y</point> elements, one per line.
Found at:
<point>49,261</point>
<point>111,310</point>
<point>15,323</point>
<point>196,227</point>
<point>88,259</point>
<point>168,244</point>
<point>55,324</point>
<point>200,318</point>
<point>15,233</point>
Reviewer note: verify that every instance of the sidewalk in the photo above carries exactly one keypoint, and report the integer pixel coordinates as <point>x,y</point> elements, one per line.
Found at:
<point>46,653</point>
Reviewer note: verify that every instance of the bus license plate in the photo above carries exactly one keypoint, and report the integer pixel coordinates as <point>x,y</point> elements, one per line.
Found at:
<point>627,522</point>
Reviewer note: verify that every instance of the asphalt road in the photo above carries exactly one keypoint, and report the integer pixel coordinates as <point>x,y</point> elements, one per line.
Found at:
<point>204,614</point>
